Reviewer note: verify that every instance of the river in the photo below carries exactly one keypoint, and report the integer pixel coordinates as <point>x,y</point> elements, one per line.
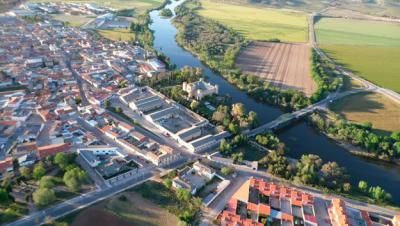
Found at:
<point>299,138</point>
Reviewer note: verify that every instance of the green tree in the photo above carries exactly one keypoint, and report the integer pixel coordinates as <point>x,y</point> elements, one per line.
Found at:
<point>194,105</point>
<point>395,136</point>
<point>308,168</point>
<point>46,182</point>
<point>4,196</point>
<point>25,172</point>
<point>183,194</point>
<point>43,197</point>
<point>379,194</point>
<point>38,171</point>
<point>363,186</point>
<point>167,183</point>
<point>333,175</point>
<point>75,178</point>
<point>227,170</point>
<point>63,159</point>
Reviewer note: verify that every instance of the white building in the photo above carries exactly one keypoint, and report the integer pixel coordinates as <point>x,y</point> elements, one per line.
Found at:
<point>199,89</point>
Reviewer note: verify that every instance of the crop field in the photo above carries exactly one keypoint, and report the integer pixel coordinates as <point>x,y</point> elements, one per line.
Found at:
<point>370,49</point>
<point>260,24</point>
<point>283,65</point>
<point>118,212</point>
<point>382,112</point>
<point>139,5</point>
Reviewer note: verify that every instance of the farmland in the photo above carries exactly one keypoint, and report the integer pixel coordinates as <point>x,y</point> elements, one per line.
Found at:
<point>73,20</point>
<point>383,113</point>
<point>373,55</point>
<point>283,65</point>
<point>258,24</point>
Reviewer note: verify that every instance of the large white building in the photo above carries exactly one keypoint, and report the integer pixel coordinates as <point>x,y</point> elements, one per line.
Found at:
<point>198,90</point>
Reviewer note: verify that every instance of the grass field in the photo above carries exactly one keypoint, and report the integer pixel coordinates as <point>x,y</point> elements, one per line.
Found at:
<point>134,210</point>
<point>382,112</point>
<point>117,34</point>
<point>371,49</point>
<point>258,23</point>
<point>73,20</point>
<point>139,5</point>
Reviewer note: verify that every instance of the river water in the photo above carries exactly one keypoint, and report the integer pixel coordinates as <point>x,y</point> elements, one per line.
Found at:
<point>299,138</point>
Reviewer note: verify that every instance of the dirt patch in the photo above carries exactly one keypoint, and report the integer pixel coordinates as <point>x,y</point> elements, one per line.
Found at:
<point>132,210</point>
<point>96,215</point>
<point>284,65</point>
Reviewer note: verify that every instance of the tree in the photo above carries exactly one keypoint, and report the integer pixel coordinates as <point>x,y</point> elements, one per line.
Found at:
<point>194,105</point>
<point>78,100</point>
<point>334,175</point>
<point>38,171</point>
<point>276,164</point>
<point>25,172</point>
<point>43,197</point>
<point>237,157</point>
<point>308,168</point>
<point>379,194</point>
<point>75,178</point>
<point>363,186</point>
<point>395,136</point>
<point>168,183</point>
<point>238,110</point>
<point>183,194</point>
<point>63,159</point>
<point>166,12</point>
<point>4,197</point>
<point>233,128</point>
<point>46,182</point>
<point>227,170</point>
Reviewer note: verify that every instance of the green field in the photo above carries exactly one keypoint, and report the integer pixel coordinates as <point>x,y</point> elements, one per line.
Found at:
<point>258,23</point>
<point>139,5</point>
<point>370,49</point>
<point>73,20</point>
<point>124,35</point>
<point>382,112</point>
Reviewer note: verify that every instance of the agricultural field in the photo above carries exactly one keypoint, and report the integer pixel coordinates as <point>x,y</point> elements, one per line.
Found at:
<point>389,8</point>
<point>283,65</point>
<point>124,35</point>
<point>382,112</point>
<point>370,49</point>
<point>260,24</point>
<point>139,5</point>
<point>123,210</point>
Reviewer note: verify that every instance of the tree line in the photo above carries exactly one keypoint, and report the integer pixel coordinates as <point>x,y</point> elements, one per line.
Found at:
<point>385,147</point>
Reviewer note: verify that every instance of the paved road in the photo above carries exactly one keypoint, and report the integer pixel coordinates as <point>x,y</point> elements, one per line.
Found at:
<point>80,202</point>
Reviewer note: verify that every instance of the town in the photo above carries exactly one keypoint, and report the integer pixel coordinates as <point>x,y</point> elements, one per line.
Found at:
<point>84,119</point>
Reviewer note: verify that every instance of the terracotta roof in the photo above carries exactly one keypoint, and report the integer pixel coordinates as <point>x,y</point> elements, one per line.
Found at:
<point>53,149</point>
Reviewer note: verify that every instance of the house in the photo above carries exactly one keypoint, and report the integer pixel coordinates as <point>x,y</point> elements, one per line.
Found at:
<point>198,90</point>
<point>194,178</point>
<point>27,159</point>
<point>53,149</point>
<point>6,165</point>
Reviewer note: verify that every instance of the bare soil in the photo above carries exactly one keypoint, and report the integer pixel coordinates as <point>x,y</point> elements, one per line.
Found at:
<point>284,65</point>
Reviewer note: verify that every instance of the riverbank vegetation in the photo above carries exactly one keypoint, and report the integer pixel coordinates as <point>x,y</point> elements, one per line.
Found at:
<point>310,169</point>
<point>166,13</point>
<point>218,47</point>
<point>378,109</point>
<point>371,144</point>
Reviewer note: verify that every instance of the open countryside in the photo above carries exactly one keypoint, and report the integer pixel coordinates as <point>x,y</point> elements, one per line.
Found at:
<point>283,65</point>
<point>370,49</point>
<point>260,24</point>
<point>383,113</point>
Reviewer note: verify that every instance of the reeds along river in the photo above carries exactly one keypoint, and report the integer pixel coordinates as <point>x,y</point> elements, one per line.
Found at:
<point>300,138</point>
